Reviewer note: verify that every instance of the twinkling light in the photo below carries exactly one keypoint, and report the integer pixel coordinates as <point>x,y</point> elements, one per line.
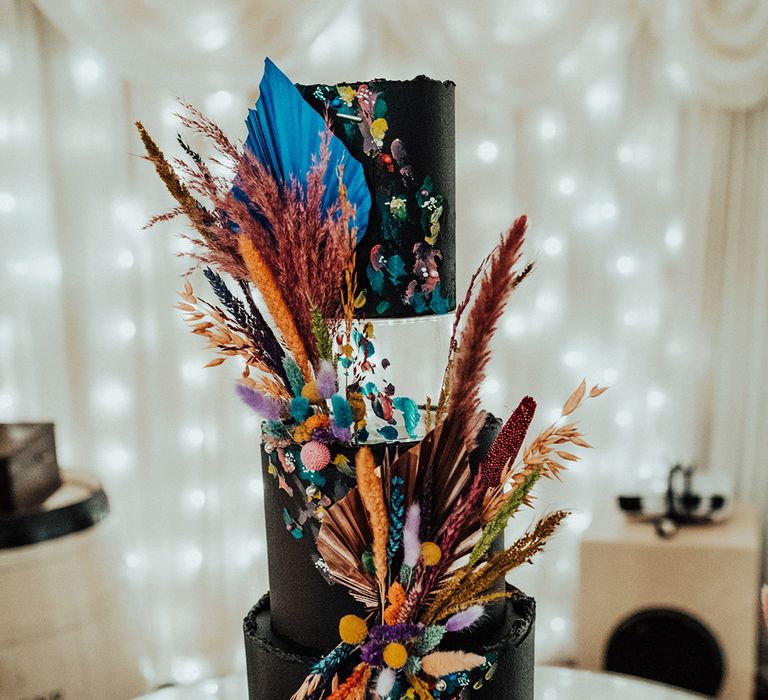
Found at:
<point>568,66</point>
<point>129,214</point>
<point>548,128</point>
<point>607,39</point>
<point>126,329</point>
<point>194,499</point>
<point>194,372</point>
<point>566,185</point>
<point>487,151</point>
<point>179,245</point>
<point>563,565</point>
<point>86,71</point>
<point>246,554</point>
<point>7,400</point>
<point>185,670</point>
<point>214,38</point>
<point>609,375</point>
<point>608,210</point>
<point>579,521</point>
<point>597,213</point>
<point>251,422</point>
<point>555,413</point>
<point>631,318</point>
<point>655,398</point>
<point>515,325</point>
<point>558,624</point>
<point>125,259</point>
<point>255,485</point>
<point>602,99</point>
<point>574,358</point>
<point>674,348</point>
<point>111,396</point>
<point>625,265</point>
<point>540,10</point>
<point>135,561</point>
<point>553,245</point>
<point>219,101</point>
<point>115,459</point>
<point>7,202</point>
<point>490,386</point>
<point>546,302</point>
<point>194,436</point>
<point>169,114</point>
<point>5,130</point>
<point>638,155</point>
<point>190,558</point>
<point>622,418</point>
<point>678,76</point>
<point>674,236</point>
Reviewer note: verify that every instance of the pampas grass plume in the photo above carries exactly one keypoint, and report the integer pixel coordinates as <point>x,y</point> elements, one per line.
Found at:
<point>464,619</point>
<point>411,540</point>
<point>326,380</point>
<point>267,408</point>
<point>443,663</point>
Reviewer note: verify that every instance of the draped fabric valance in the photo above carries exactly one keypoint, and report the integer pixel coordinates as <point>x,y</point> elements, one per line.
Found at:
<point>717,49</point>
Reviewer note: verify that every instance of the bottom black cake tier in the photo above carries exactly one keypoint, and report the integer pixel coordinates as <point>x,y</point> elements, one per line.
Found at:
<point>277,667</point>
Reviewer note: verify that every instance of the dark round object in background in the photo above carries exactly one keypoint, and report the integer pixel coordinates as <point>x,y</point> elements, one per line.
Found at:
<point>669,647</point>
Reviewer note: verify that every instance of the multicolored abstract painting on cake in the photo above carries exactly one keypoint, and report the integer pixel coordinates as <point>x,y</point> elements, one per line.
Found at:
<point>402,260</point>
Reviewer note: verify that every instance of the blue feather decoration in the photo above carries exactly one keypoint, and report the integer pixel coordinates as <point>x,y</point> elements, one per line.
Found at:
<point>284,133</point>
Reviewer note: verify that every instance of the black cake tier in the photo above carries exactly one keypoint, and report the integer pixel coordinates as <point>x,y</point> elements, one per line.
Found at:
<point>276,667</point>
<point>306,608</point>
<point>403,134</point>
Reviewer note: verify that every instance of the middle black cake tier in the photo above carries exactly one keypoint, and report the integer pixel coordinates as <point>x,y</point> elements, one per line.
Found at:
<point>305,605</point>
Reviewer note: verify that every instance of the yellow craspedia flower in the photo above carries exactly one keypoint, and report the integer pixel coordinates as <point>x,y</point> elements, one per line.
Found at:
<point>431,553</point>
<point>309,392</point>
<point>378,129</point>
<point>353,629</point>
<point>395,655</point>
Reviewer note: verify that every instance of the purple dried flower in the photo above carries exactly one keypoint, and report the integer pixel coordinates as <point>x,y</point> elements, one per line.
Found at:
<point>464,619</point>
<point>267,408</point>
<point>323,435</point>
<point>372,653</point>
<point>340,433</point>
<point>326,380</point>
<point>400,632</point>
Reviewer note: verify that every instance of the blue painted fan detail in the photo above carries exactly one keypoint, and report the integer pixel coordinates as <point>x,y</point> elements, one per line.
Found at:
<point>284,134</point>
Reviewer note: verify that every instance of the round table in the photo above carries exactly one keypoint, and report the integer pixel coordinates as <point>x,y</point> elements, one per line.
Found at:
<point>551,684</point>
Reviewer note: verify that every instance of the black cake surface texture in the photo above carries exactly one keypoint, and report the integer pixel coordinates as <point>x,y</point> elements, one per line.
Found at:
<point>406,262</point>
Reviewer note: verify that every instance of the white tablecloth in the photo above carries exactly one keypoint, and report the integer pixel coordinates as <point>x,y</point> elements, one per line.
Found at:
<point>551,684</point>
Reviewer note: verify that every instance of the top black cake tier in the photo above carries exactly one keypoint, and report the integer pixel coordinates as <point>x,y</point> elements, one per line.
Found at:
<point>403,134</point>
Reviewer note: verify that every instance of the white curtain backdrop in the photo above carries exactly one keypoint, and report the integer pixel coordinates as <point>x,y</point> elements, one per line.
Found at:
<point>634,133</point>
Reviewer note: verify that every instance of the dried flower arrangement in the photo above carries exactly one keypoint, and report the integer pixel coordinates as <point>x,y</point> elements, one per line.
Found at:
<point>412,538</point>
